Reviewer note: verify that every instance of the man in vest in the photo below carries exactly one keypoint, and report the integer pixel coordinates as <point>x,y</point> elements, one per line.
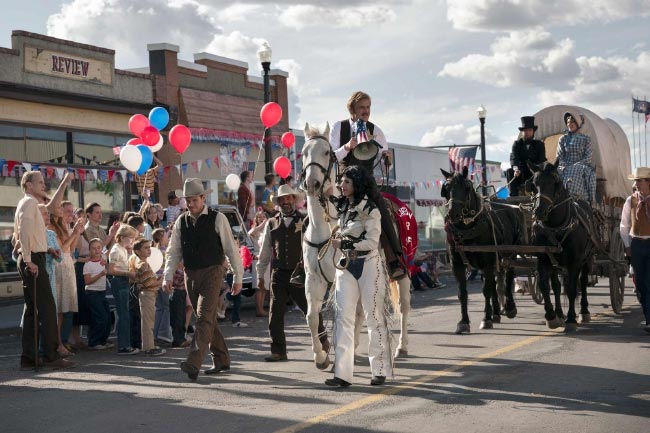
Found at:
<point>282,250</point>
<point>343,139</point>
<point>202,239</point>
<point>525,149</point>
<point>635,231</point>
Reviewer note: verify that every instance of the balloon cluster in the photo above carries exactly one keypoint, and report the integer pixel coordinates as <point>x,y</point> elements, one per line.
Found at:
<point>137,155</point>
<point>270,115</point>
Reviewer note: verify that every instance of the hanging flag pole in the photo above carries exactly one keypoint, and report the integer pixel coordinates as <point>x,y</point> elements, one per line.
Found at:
<point>634,135</point>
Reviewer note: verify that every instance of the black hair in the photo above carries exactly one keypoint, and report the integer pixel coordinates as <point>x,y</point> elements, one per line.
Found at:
<point>286,181</point>
<point>363,183</point>
<point>135,220</point>
<point>269,178</point>
<point>91,207</point>
<point>244,175</point>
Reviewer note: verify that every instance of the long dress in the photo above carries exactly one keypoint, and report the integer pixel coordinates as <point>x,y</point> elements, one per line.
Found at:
<point>50,260</point>
<point>66,284</point>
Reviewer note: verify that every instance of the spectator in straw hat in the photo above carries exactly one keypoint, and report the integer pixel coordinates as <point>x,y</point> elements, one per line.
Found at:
<point>202,238</point>
<point>635,231</point>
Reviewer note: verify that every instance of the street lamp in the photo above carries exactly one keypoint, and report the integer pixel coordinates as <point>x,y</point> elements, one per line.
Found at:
<point>264,56</point>
<point>481,116</point>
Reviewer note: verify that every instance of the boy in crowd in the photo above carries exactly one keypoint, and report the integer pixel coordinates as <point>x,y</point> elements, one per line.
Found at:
<point>148,284</point>
<point>100,315</point>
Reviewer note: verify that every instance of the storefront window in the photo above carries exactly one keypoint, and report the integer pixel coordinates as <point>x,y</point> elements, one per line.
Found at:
<point>12,142</point>
<point>225,195</point>
<point>95,149</point>
<point>45,145</point>
<point>109,195</point>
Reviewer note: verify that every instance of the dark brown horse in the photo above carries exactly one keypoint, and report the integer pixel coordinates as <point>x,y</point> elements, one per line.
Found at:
<point>470,222</point>
<point>566,222</point>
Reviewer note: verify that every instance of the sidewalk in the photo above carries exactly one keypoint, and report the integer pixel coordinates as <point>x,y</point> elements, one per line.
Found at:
<point>10,313</point>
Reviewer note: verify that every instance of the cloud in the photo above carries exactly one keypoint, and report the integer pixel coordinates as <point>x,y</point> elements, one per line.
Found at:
<point>235,45</point>
<point>300,16</point>
<point>522,58</point>
<point>128,25</point>
<point>508,15</point>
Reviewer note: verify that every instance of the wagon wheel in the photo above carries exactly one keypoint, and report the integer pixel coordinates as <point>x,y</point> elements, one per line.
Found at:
<point>535,292</point>
<point>617,270</point>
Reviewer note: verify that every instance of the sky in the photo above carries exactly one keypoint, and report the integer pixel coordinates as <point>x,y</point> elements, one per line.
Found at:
<point>427,64</point>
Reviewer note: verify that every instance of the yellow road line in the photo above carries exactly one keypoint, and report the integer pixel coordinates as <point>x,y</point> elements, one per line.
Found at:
<point>429,377</point>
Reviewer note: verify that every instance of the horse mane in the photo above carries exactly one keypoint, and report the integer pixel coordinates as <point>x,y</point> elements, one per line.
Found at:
<point>312,131</point>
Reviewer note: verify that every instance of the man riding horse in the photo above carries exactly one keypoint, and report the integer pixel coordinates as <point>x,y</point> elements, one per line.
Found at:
<point>525,149</point>
<point>360,134</point>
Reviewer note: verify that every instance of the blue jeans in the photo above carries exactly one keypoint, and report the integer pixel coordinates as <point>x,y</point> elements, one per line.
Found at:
<point>177,302</point>
<point>161,327</point>
<point>66,326</point>
<point>120,287</point>
<point>236,306</point>
<point>100,317</point>
<point>641,265</point>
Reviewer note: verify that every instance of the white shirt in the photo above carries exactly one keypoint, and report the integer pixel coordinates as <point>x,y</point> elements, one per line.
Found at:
<point>119,257</point>
<point>626,224</point>
<point>231,250</point>
<point>339,148</point>
<point>30,227</point>
<point>266,248</point>
<point>93,268</point>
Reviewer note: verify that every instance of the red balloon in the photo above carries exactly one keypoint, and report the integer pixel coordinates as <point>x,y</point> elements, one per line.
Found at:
<point>282,166</point>
<point>288,139</point>
<point>150,135</point>
<point>180,138</point>
<point>137,123</point>
<point>271,114</point>
<point>135,141</point>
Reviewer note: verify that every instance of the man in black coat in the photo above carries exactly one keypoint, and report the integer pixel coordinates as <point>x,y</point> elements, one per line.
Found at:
<point>525,149</point>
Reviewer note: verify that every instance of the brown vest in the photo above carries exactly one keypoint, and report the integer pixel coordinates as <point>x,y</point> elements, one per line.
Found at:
<point>640,226</point>
<point>286,242</point>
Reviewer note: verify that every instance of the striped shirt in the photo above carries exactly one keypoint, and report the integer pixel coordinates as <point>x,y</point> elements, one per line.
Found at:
<point>144,276</point>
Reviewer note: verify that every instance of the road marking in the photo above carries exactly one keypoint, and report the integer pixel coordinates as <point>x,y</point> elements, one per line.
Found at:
<point>387,392</point>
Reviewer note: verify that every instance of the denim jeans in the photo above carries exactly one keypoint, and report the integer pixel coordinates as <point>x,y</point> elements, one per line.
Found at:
<point>236,306</point>
<point>134,315</point>
<point>161,327</point>
<point>641,265</point>
<point>66,326</point>
<point>120,287</point>
<point>177,302</point>
<point>100,317</point>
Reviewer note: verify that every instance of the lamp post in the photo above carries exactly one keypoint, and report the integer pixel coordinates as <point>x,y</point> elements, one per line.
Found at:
<point>481,116</point>
<point>264,55</point>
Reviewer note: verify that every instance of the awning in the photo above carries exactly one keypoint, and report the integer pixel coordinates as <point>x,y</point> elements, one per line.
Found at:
<point>430,202</point>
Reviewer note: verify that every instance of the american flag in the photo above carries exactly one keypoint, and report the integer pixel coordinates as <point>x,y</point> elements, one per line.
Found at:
<point>361,131</point>
<point>460,157</point>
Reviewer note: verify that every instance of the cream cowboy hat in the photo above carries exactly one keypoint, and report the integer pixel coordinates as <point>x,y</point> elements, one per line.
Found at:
<point>286,190</point>
<point>640,173</point>
<point>193,187</point>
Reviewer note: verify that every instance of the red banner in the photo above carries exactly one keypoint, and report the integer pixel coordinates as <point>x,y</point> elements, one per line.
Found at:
<point>408,226</point>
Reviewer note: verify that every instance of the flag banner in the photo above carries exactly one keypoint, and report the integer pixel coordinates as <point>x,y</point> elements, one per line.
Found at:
<point>460,157</point>
<point>116,150</point>
<point>361,132</point>
<point>639,106</point>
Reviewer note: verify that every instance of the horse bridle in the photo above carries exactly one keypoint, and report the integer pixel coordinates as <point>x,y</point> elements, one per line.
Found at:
<point>326,171</point>
<point>552,204</point>
<point>468,215</point>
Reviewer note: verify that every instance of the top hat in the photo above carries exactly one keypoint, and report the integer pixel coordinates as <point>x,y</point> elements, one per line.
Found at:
<point>285,190</point>
<point>193,187</point>
<point>528,122</point>
<point>640,173</point>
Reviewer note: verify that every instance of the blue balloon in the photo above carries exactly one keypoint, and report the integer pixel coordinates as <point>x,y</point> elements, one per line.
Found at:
<point>159,118</point>
<point>147,159</point>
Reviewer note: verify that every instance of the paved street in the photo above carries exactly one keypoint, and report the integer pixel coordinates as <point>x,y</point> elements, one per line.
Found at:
<point>519,377</point>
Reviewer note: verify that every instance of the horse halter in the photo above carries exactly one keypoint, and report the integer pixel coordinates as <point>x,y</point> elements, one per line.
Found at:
<point>325,171</point>
<point>468,215</point>
<point>553,202</point>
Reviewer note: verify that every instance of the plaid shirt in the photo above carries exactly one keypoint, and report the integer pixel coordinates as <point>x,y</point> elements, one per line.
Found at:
<point>575,153</point>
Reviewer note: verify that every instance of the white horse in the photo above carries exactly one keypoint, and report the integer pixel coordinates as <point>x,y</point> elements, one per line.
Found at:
<point>319,257</point>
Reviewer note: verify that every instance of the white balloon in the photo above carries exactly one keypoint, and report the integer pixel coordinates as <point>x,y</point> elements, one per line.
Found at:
<point>158,146</point>
<point>131,157</point>
<point>233,181</point>
<point>156,259</point>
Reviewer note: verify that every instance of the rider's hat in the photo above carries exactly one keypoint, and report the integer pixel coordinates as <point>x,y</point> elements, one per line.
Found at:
<point>640,173</point>
<point>528,122</point>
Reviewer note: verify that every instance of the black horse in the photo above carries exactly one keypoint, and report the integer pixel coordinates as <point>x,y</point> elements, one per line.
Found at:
<point>470,222</point>
<point>562,221</point>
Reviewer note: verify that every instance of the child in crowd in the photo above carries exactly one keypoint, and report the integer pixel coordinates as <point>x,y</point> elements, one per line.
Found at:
<point>137,222</point>
<point>118,269</point>
<point>148,284</point>
<point>178,302</point>
<point>100,316</point>
<point>161,328</point>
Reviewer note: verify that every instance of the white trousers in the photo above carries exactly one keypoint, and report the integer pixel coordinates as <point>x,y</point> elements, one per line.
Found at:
<point>371,287</point>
